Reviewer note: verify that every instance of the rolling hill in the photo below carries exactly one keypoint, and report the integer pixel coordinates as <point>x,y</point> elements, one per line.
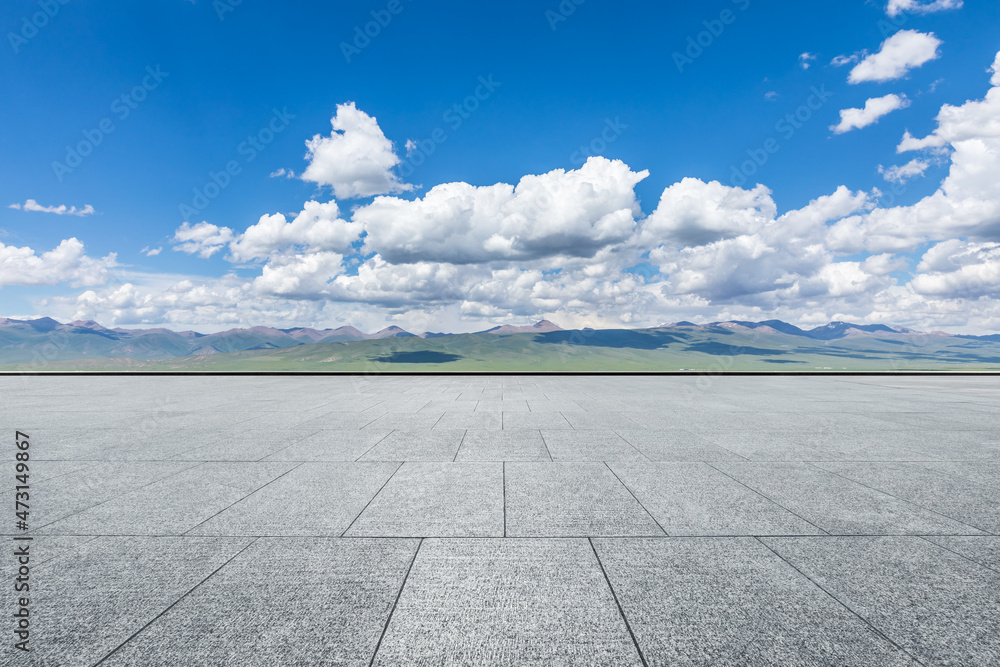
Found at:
<point>47,345</point>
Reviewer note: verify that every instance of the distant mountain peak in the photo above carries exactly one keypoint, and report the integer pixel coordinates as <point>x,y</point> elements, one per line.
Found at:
<point>87,339</point>
<point>541,326</point>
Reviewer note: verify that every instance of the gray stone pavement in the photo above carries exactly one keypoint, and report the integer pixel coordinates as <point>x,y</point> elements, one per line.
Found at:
<point>530,520</point>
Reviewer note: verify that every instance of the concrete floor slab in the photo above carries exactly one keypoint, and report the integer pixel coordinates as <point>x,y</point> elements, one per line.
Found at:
<point>696,499</point>
<point>173,505</point>
<point>733,602</point>
<point>504,445</point>
<point>857,456</point>
<point>589,445</point>
<point>313,602</point>
<point>974,505</point>
<point>96,597</point>
<point>314,499</point>
<point>509,603</point>
<point>676,445</point>
<point>437,500</point>
<point>935,604</point>
<point>572,499</point>
<point>836,504</point>
<point>535,420</point>
<point>428,445</point>
<point>330,445</point>
<point>984,549</point>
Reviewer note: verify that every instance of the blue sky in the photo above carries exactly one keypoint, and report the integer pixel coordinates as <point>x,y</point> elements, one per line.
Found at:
<point>410,221</point>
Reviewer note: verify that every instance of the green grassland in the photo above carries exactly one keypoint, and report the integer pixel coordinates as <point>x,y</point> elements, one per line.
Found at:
<point>688,349</point>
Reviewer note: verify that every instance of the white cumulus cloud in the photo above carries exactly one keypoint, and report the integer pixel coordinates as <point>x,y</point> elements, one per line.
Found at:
<point>897,7</point>
<point>899,54</point>
<point>571,213</point>
<point>62,209</point>
<point>966,205</point>
<point>903,173</point>
<point>693,212</point>
<point>956,268</point>
<point>66,263</point>
<point>318,228</point>
<point>874,109</point>
<point>356,159</point>
<point>976,119</point>
<point>203,239</point>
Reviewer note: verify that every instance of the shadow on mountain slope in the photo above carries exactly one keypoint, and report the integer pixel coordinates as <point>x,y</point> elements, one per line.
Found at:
<point>721,349</point>
<point>418,357</point>
<point>619,338</point>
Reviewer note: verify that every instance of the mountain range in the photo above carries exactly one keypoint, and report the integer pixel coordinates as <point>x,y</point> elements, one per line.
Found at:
<point>20,339</point>
<point>47,343</point>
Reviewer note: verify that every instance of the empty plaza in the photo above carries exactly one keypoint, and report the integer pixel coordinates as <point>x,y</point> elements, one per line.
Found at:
<point>507,520</point>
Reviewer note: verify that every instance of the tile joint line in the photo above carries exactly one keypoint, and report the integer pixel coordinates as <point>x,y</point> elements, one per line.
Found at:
<point>395,602</point>
<point>621,611</point>
<point>839,601</point>
<point>176,602</point>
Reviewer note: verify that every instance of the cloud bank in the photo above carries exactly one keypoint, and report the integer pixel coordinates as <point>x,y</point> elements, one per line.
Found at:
<point>576,246</point>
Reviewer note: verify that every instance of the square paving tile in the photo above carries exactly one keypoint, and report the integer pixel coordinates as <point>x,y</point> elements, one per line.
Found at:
<point>600,420</point>
<point>553,405</point>
<point>464,420</point>
<point>312,602</point>
<point>677,445</point>
<point>984,549</point>
<point>838,505</point>
<point>535,420</point>
<point>88,602</point>
<point>314,499</point>
<point>982,473</point>
<point>696,499</point>
<point>497,405</point>
<point>440,406</point>
<point>589,445</point>
<point>733,602</point>
<point>572,500</point>
<point>173,505</point>
<point>246,446</point>
<point>330,445</point>
<point>497,602</point>
<point>505,445</point>
<point>430,445</point>
<point>344,421</point>
<point>405,421</point>
<point>974,505</point>
<point>74,492</point>
<point>935,604</point>
<point>762,446</point>
<point>437,500</point>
